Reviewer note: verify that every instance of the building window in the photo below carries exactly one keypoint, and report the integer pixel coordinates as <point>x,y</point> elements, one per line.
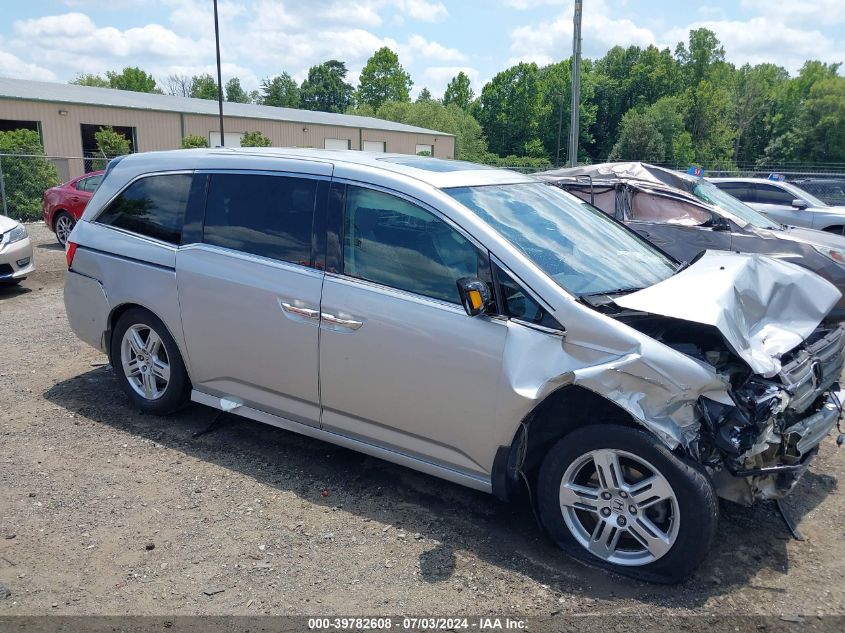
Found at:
<point>374,146</point>
<point>338,143</point>
<point>89,143</point>
<point>233,139</point>
<point>424,150</point>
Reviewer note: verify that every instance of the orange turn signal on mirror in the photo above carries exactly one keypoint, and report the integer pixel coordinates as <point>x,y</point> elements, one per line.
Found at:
<point>475,299</point>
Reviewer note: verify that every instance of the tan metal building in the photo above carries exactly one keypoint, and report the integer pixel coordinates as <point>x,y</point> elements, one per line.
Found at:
<point>66,116</point>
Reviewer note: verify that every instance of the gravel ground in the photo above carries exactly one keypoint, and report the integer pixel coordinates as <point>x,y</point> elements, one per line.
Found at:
<point>106,511</point>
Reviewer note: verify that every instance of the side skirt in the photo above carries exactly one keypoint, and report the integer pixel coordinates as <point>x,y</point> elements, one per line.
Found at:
<point>470,481</point>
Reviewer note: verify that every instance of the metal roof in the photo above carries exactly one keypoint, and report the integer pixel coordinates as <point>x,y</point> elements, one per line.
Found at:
<point>108,97</point>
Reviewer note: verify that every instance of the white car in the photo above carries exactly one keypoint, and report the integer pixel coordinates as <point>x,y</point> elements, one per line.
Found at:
<point>16,261</point>
<point>785,202</point>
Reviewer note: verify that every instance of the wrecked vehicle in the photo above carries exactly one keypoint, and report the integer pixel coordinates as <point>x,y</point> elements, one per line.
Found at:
<point>684,216</point>
<point>472,323</point>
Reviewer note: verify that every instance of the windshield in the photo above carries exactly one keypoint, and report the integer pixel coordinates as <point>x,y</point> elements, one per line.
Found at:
<point>581,248</point>
<point>711,194</point>
<point>803,194</point>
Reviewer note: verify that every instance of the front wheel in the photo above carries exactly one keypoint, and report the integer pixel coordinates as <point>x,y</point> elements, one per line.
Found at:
<point>616,497</point>
<point>148,364</point>
<point>63,224</point>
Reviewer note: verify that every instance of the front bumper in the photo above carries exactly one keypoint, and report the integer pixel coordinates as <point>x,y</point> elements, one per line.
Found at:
<point>16,260</point>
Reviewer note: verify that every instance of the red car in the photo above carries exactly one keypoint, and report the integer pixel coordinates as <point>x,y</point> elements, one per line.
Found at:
<point>64,204</point>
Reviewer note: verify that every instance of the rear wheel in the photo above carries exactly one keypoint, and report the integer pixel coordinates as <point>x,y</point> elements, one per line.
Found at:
<point>148,364</point>
<point>63,224</point>
<point>839,230</point>
<point>614,496</point>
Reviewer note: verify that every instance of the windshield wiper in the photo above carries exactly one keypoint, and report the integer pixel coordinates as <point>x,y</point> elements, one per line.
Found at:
<point>617,291</point>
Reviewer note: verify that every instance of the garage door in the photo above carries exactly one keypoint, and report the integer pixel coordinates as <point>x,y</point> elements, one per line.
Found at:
<point>373,146</point>
<point>338,143</point>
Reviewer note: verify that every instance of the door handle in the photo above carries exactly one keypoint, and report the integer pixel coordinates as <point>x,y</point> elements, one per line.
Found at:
<point>347,323</point>
<point>308,313</point>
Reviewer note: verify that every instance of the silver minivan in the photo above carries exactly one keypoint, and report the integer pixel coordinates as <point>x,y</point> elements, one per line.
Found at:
<point>472,323</point>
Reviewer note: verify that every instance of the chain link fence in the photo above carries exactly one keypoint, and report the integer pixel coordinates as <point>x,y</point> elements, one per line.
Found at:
<point>25,177</point>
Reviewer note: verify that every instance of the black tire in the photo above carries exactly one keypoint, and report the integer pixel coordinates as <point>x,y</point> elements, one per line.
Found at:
<point>59,216</point>
<point>838,230</point>
<point>11,282</point>
<point>176,394</point>
<point>697,504</point>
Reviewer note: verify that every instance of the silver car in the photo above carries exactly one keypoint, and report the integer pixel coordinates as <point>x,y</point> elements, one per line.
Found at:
<point>16,261</point>
<point>472,323</point>
<point>785,202</point>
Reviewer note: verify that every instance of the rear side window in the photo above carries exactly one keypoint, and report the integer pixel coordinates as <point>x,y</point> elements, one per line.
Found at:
<point>394,242</point>
<point>769,194</point>
<point>153,206</point>
<point>269,216</point>
<point>89,184</point>
<point>738,190</point>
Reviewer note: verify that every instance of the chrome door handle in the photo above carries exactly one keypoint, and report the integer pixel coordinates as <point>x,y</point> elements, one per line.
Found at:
<point>308,313</point>
<point>347,323</point>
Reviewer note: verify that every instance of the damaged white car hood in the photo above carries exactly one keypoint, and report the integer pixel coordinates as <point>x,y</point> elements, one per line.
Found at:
<point>763,307</point>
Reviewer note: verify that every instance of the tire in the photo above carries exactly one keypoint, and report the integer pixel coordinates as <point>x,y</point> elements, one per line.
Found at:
<point>838,230</point>
<point>11,282</point>
<point>63,224</point>
<point>687,518</point>
<point>148,364</point>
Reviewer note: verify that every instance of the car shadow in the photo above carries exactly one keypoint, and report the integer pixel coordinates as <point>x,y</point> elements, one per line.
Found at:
<point>8,291</point>
<point>749,540</point>
<point>51,246</point>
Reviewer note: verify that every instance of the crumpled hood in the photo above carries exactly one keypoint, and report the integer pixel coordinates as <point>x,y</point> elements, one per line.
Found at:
<point>7,223</point>
<point>763,306</point>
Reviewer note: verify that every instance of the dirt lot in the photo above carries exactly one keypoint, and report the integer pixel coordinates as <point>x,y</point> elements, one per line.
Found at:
<point>105,511</point>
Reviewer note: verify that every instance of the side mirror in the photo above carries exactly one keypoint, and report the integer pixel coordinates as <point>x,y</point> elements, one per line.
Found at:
<point>798,203</point>
<point>475,296</point>
<point>720,224</point>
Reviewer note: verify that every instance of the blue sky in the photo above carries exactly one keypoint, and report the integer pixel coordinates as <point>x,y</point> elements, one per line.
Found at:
<point>56,39</point>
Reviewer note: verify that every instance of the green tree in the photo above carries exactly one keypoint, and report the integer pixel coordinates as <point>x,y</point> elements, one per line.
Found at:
<point>508,107</point>
<point>25,179</point>
<point>326,89</point>
<point>383,79</point>
<point>821,124</point>
<point>703,53</point>
<point>193,141</point>
<point>255,139</point>
<point>280,91</point>
<point>109,145</point>
<point>639,139</point>
<point>234,92</point>
<point>459,91</point>
<point>425,95</point>
<point>433,115</point>
<point>90,79</point>
<point>754,93</point>
<point>203,87</point>
<point>555,107</point>
<point>134,79</point>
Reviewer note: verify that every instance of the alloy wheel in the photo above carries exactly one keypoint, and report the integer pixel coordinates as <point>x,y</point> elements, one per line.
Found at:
<point>619,507</point>
<point>145,362</point>
<point>64,225</point>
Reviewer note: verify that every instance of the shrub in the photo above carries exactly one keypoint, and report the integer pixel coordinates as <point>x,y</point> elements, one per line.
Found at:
<point>193,141</point>
<point>109,145</point>
<point>255,139</point>
<point>25,178</point>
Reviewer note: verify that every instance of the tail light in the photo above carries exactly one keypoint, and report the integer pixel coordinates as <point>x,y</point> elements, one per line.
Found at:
<point>69,253</point>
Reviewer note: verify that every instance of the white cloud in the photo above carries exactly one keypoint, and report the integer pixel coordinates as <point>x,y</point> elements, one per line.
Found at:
<point>549,41</point>
<point>766,39</point>
<point>436,78</point>
<point>814,12</point>
<point>524,5</point>
<point>422,10</point>
<point>418,46</point>
<point>13,66</point>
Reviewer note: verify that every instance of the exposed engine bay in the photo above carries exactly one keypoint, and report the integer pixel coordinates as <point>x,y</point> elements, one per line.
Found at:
<point>759,448</point>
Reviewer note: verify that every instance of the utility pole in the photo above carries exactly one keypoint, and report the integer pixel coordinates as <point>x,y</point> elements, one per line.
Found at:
<point>559,125</point>
<point>219,76</point>
<point>576,84</point>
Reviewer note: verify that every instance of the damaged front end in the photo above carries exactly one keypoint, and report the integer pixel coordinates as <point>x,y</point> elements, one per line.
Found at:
<point>779,361</point>
<point>759,448</point>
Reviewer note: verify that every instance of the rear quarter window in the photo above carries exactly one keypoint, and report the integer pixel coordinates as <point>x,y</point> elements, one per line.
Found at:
<point>153,206</point>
